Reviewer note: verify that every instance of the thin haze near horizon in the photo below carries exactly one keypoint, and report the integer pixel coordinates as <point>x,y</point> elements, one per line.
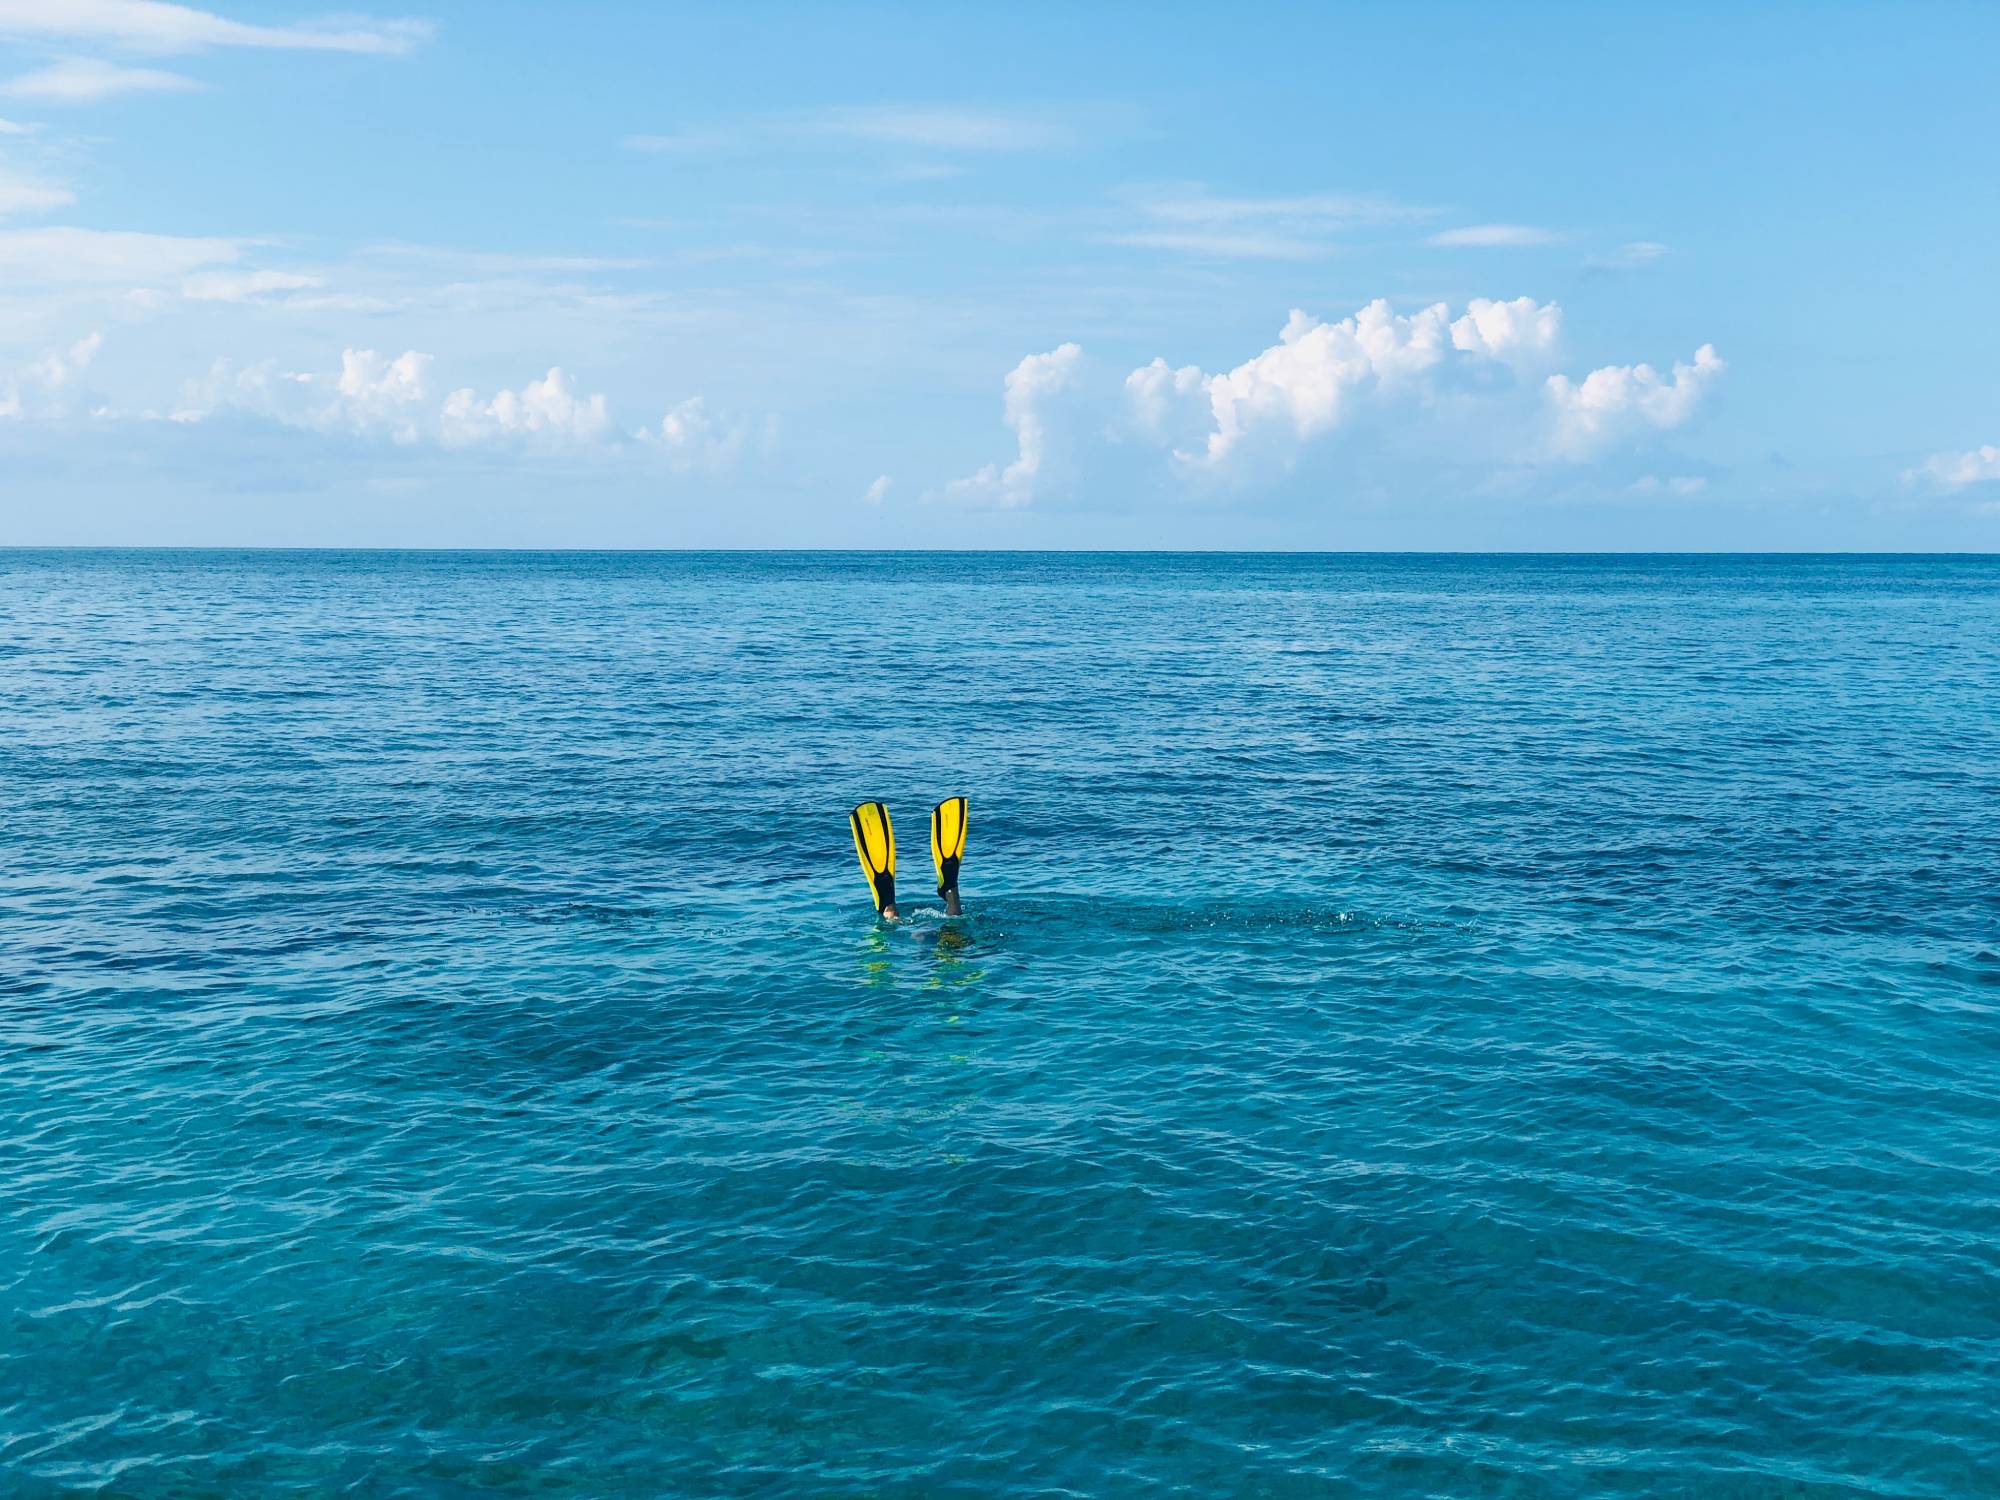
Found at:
<point>1425,276</point>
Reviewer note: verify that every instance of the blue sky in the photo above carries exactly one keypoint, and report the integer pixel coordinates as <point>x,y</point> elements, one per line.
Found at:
<point>1132,276</point>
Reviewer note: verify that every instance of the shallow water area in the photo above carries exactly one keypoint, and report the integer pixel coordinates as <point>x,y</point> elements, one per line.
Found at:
<point>1421,1026</point>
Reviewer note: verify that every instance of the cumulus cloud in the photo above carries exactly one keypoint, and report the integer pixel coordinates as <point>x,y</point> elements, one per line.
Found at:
<point>381,398</point>
<point>1954,471</point>
<point>370,395</point>
<point>83,80</point>
<point>696,440</point>
<point>1617,401</point>
<point>156,26</point>
<point>373,394</point>
<point>1032,387</point>
<point>548,410</point>
<point>1308,382</point>
<point>1303,382</point>
<point>51,386</point>
<point>1426,379</point>
<point>260,389</point>
<point>1168,405</point>
<point>1520,331</point>
<point>878,491</point>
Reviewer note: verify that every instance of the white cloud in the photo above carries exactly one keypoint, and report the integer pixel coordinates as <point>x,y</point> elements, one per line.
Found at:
<point>878,491</point>
<point>14,127</point>
<point>1495,236</point>
<point>547,410</point>
<point>374,397</point>
<point>1306,383</point>
<point>259,389</point>
<point>1258,415</point>
<point>1617,401</point>
<point>695,440</point>
<point>1220,246</point>
<point>84,80</point>
<point>373,394</point>
<point>369,396</point>
<point>1423,387</point>
<point>68,256</point>
<point>1168,405</point>
<point>1303,382</point>
<point>1954,471</point>
<point>48,387</point>
<point>155,26</point>
<point>1518,331</point>
<point>27,195</point>
<point>1031,386</point>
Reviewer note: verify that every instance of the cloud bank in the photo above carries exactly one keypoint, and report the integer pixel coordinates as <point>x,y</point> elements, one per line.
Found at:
<point>544,410</point>
<point>1614,402</point>
<point>374,397</point>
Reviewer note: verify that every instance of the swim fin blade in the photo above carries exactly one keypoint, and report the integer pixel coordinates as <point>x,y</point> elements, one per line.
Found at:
<point>948,841</point>
<point>875,842</point>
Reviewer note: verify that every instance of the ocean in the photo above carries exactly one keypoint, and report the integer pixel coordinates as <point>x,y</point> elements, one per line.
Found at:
<point>1421,1026</point>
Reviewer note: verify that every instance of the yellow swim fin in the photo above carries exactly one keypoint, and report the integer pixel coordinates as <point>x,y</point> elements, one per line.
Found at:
<point>875,842</point>
<point>948,843</point>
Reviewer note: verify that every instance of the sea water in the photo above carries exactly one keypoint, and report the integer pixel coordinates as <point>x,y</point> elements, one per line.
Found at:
<point>1421,1026</point>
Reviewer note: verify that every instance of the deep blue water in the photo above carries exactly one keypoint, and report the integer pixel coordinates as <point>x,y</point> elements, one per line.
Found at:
<point>1422,1027</point>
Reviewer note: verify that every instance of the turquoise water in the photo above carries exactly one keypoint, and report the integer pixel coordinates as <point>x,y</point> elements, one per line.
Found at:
<point>1422,1026</point>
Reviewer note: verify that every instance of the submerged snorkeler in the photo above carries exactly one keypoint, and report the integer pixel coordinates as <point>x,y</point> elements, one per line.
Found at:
<point>875,842</point>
